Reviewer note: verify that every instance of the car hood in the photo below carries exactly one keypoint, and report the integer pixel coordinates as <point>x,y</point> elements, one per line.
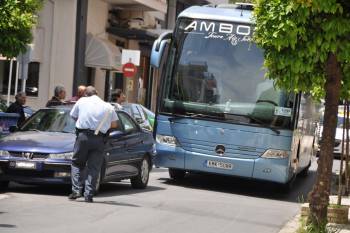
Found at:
<point>43,142</point>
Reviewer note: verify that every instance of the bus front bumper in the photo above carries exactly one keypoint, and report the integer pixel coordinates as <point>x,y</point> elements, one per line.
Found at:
<point>274,170</point>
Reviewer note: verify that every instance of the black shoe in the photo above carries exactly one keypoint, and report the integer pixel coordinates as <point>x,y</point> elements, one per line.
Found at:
<point>74,196</point>
<point>89,199</point>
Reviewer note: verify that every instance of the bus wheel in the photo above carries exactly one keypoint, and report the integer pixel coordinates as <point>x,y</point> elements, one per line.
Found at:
<point>4,185</point>
<point>287,187</point>
<point>305,171</point>
<point>177,174</point>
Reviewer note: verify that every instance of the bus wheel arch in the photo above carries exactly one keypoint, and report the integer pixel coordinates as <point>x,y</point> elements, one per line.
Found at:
<point>177,174</point>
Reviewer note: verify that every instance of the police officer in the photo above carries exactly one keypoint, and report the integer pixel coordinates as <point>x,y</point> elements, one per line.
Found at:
<point>93,119</point>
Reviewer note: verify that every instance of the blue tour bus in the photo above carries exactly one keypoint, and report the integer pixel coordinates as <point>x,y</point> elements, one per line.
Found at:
<point>216,112</point>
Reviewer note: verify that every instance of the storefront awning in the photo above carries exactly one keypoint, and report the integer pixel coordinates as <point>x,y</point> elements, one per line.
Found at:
<point>101,53</point>
<point>146,5</point>
<point>132,33</point>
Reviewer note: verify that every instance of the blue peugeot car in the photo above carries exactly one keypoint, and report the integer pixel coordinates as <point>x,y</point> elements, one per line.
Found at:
<point>42,149</point>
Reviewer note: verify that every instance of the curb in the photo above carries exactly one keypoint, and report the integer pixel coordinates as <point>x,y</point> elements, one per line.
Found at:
<point>292,225</point>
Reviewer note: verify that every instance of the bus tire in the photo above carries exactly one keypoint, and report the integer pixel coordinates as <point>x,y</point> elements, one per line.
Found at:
<point>177,174</point>
<point>305,171</point>
<point>4,185</point>
<point>287,187</point>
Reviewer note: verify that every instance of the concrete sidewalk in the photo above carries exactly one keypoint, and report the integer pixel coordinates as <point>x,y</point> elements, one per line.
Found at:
<point>293,225</point>
<point>3,196</point>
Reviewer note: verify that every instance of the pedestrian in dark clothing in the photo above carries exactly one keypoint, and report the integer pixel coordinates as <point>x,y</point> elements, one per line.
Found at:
<point>58,98</point>
<point>94,118</point>
<point>17,107</point>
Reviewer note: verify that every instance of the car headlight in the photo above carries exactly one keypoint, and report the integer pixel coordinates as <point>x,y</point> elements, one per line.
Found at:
<point>68,155</point>
<point>167,140</point>
<point>4,153</point>
<point>275,154</point>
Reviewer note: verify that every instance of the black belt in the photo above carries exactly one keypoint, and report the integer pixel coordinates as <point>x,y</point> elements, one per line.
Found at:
<point>89,131</point>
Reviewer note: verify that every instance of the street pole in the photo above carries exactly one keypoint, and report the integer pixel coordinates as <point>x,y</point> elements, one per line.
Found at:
<point>17,75</point>
<point>9,84</point>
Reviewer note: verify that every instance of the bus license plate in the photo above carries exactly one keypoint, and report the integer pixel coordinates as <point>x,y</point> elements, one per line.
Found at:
<point>25,165</point>
<point>220,165</point>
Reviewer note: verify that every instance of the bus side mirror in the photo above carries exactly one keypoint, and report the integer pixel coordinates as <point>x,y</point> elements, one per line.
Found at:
<point>158,48</point>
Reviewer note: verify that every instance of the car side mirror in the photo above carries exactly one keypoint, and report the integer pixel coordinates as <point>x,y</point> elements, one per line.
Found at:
<point>13,128</point>
<point>115,134</point>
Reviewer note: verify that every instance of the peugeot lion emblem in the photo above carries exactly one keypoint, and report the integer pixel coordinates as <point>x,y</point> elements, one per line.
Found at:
<point>220,150</point>
<point>28,155</point>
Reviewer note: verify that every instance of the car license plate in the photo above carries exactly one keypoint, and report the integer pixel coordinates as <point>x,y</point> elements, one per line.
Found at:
<point>220,165</point>
<point>25,165</point>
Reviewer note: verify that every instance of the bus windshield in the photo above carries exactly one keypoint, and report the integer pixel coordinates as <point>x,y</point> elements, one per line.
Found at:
<point>214,70</point>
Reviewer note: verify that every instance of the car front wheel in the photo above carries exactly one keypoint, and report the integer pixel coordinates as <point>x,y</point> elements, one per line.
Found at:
<point>141,180</point>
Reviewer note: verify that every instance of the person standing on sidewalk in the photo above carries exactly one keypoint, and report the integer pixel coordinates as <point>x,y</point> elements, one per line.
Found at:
<point>58,98</point>
<point>94,117</point>
<point>119,98</point>
<point>17,107</point>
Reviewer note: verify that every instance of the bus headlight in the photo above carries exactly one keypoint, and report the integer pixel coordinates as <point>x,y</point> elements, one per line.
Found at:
<point>68,155</point>
<point>4,153</point>
<point>275,154</point>
<point>167,140</point>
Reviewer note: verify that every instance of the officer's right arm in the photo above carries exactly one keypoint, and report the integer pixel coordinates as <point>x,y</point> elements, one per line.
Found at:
<point>114,124</point>
<point>74,113</point>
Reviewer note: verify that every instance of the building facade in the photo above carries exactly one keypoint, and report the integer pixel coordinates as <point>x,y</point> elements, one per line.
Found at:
<point>81,42</point>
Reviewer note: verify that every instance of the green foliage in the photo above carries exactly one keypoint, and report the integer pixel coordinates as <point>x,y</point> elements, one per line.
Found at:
<point>297,36</point>
<point>17,18</point>
<point>245,1</point>
<point>310,228</point>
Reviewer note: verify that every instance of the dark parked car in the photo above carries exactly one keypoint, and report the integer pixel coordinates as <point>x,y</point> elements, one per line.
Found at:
<point>143,116</point>
<point>41,151</point>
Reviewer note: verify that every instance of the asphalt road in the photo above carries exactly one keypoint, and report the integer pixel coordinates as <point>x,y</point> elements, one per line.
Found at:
<point>201,203</point>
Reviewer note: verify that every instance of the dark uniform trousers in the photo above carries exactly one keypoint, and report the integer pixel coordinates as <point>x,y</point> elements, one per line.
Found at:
<point>88,153</point>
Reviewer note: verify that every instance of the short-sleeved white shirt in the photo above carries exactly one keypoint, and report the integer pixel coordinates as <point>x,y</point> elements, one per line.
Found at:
<point>90,111</point>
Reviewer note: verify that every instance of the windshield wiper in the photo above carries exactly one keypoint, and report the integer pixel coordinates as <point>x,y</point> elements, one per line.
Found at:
<point>194,115</point>
<point>260,122</point>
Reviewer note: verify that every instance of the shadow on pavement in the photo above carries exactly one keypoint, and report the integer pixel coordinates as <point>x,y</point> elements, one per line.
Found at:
<point>247,187</point>
<point>110,203</point>
<point>7,226</point>
<point>120,189</point>
<point>106,190</point>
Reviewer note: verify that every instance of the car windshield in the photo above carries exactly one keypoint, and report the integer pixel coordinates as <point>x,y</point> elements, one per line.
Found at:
<point>148,112</point>
<point>127,108</point>
<point>50,120</point>
<point>214,69</point>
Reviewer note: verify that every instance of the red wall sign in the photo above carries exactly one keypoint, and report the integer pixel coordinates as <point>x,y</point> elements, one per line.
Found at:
<point>129,70</point>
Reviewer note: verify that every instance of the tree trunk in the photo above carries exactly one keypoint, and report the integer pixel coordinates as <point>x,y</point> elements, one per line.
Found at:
<point>319,195</point>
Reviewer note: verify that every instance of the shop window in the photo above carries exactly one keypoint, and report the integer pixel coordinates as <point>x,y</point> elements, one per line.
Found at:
<point>32,83</point>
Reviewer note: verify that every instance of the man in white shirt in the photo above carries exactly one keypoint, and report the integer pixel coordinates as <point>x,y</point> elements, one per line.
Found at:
<point>94,117</point>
